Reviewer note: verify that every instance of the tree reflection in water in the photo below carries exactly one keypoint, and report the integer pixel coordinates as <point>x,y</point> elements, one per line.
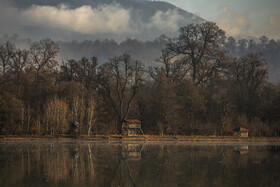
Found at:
<point>137,164</point>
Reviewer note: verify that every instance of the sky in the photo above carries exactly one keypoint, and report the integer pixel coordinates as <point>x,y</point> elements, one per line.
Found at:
<point>238,17</point>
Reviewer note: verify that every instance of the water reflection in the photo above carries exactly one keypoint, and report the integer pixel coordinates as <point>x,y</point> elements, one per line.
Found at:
<point>74,151</point>
<point>132,151</point>
<point>241,149</point>
<point>137,164</point>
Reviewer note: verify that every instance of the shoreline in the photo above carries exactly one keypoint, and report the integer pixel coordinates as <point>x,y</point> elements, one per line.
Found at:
<point>142,138</point>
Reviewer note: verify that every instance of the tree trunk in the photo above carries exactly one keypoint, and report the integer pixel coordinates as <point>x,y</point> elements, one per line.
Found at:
<point>119,126</point>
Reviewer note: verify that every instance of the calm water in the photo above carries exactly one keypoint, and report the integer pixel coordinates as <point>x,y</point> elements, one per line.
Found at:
<point>138,164</point>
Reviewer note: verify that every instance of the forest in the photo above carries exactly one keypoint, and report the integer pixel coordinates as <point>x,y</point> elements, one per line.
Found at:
<point>204,84</point>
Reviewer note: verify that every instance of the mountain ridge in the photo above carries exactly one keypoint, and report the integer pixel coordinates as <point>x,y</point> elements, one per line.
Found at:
<point>145,20</point>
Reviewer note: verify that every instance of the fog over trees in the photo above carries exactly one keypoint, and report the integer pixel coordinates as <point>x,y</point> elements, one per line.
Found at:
<point>200,83</point>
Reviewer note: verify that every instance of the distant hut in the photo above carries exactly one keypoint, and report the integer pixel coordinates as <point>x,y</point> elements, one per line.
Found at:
<point>131,127</point>
<point>240,132</point>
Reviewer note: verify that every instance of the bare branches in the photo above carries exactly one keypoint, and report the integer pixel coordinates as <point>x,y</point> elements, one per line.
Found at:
<point>198,46</point>
<point>249,72</point>
<point>42,55</point>
<point>173,69</point>
<point>118,82</point>
<point>6,55</point>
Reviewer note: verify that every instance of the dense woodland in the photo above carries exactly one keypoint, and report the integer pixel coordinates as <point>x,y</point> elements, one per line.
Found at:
<point>206,84</point>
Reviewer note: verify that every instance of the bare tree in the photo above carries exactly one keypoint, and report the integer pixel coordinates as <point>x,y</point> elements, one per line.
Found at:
<point>90,114</point>
<point>118,82</point>
<point>68,70</point>
<point>200,48</point>
<point>250,72</point>
<point>173,69</point>
<point>43,54</point>
<point>19,60</point>
<point>6,54</point>
<point>54,118</point>
<point>248,76</point>
<point>86,72</point>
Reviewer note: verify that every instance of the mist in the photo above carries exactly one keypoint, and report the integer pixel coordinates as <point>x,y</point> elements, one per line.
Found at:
<point>102,21</point>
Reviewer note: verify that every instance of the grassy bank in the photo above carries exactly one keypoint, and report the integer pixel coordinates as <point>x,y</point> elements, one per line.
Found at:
<point>144,138</point>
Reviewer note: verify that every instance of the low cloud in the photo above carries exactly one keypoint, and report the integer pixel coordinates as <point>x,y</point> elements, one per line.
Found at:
<point>166,21</point>
<point>225,8</point>
<point>84,19</point>
<point>233,23</point>
<point>274,21</point>
<point>271,28</point>
<point>240,25</point>
<point>104,21</point>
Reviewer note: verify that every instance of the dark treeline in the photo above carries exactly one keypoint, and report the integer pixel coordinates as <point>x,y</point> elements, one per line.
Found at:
<point>270,48</point>
<point>148,51</point>
<point>206,85</point>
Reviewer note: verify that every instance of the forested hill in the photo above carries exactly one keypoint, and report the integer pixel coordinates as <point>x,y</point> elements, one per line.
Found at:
<point>146,8</point>
<point>146,51</point>
<point>149,51</point>
<point>113,19</point>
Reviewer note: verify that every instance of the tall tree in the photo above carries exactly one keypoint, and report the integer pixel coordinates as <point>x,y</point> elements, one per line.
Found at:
<point>118,82</point>
<point>173,69</point>
<point>43,54</point>
<point>242,47</point>
<point>6,54</point>
<point>200,48</point>
<point>86,72</point>
<point>19,61</point>
<point>231,46</point>
<point>250,72</point>
<point>248,75</point>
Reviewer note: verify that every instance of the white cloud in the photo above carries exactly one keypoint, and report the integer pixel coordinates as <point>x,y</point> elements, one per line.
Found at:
<point>225,8</point>
<point>271,28</point>
<point>232,22</point>
<point>241,25</point>
<point>274,21</point>
<point>104,21</point>
<point>166,21</point>
<point>84,19</point>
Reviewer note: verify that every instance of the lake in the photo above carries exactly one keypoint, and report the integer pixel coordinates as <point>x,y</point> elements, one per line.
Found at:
<point>104,163</point>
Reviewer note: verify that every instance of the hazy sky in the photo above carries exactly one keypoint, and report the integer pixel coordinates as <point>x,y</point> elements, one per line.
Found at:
<point>245,17</point>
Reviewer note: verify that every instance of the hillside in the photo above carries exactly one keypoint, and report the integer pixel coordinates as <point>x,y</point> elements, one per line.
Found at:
<point>99,19</point>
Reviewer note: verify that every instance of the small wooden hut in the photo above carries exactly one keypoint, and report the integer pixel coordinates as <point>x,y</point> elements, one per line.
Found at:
<point>240,132</point>
<point>131,127</point>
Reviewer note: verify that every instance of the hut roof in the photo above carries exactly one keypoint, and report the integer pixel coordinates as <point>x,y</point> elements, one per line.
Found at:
<point>241,129</point>
<point>132,121</point>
